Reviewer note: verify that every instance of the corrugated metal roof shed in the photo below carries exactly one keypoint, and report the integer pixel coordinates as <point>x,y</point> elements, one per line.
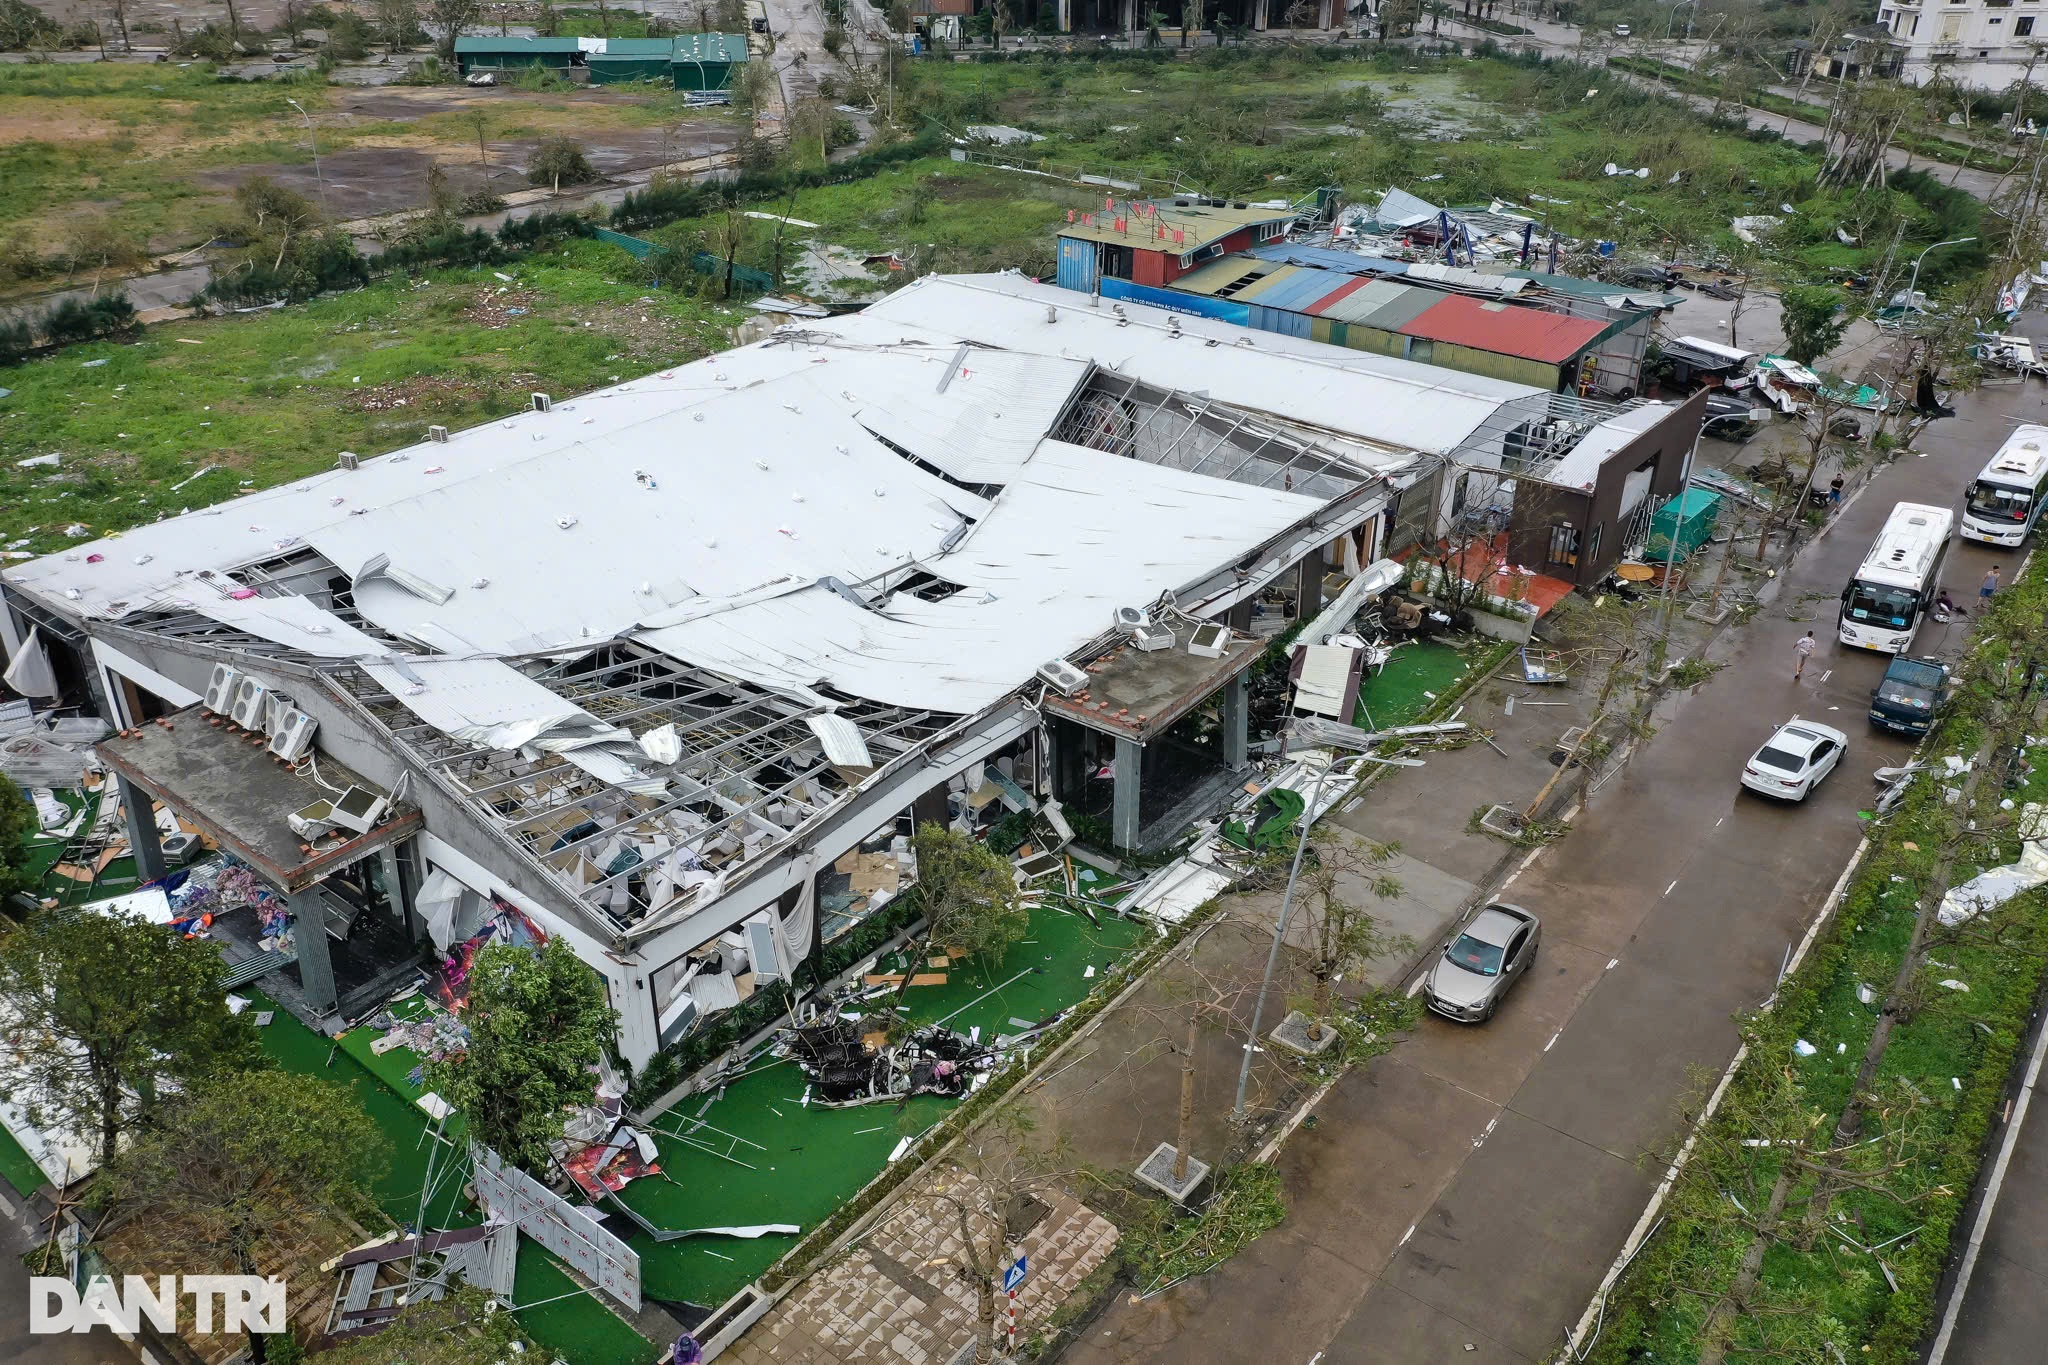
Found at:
<point>489,44</point>
<point>1504,329</point>
<point>1293,288</point>
<point>1392,306</point>
<point>1328,258</point>
<point>1613,295</point>
<point>1199,224</point>
<point>710,47</point>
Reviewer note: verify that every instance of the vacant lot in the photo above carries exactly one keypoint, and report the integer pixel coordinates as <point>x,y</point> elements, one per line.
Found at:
<point>155,150</point>
<point>277,395</point>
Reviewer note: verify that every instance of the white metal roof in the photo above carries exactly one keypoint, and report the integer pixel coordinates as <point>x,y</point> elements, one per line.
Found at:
<point>702,508</point>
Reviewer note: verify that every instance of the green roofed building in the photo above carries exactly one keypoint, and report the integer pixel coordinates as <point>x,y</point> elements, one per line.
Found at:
<point>694,61</point>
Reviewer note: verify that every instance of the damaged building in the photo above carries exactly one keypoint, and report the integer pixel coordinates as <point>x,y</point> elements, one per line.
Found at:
<point>670,669</point>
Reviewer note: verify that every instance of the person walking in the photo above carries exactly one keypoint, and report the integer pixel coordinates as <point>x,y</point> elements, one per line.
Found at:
<point>1804,649</point>
<point>1835,491</point>
<point>1990,585</point>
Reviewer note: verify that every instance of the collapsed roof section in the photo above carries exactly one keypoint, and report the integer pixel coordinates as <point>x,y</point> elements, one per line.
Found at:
<point>650,634</point>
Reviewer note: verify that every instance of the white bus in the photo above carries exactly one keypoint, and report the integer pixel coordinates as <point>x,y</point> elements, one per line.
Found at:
<point>1898,580</point>
<point>2005,501</point>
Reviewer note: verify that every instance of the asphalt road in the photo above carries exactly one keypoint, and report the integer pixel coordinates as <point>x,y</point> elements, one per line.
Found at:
<point>2002,1318</point>
<point>1462,1197</point>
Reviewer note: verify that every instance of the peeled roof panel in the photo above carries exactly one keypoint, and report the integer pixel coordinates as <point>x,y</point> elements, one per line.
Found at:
<point>1401,308</point>
<point>1362,303</point>
<point>1350,284</point>
<point>1207,279</point>
<point>985,423</point>
<point>1125,531</point>
<point>294,622</point>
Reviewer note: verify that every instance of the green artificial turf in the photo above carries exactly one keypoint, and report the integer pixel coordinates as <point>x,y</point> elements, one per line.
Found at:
<point>581,1330</point>
<point>802,1162</point>
<point>17,1167</point>
<point>1414,677</point>
<point>396,1066</point>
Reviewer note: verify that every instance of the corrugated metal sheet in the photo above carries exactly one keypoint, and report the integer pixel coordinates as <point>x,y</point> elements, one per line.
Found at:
<point>1221,274</point>
<point>1293,288</point>
<point>1401,308</point>
<point>1335,298</point>
<point>1505,329</point>
<point>1493,364</point>
<point>1328,258</point>
<point>1361,303</point>
<point>1282,320</point>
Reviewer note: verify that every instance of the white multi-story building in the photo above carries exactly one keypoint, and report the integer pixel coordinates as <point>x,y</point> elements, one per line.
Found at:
<point>1986,44</point>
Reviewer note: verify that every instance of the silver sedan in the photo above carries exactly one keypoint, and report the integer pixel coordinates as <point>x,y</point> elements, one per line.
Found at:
<point>1483,963</point>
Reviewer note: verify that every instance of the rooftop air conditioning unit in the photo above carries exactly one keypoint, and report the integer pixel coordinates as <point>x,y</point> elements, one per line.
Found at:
<point>543,403</point>
<point>220,689</point>
<point>348,459</point>
<point>359,809</point>
<point>1150,638</point>
<point>291,733</point>
<point>249,707</point>
<point>1062,677</point>
<point>310,822</point>
<point>1210,640</point>
<point>1130,619</point>
<point>438,434</point>
<point>179,848</point>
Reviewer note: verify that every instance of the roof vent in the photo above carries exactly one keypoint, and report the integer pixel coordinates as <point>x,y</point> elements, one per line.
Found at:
<point>439,434</point>
<point>543,403</point>
<point>348,459</point>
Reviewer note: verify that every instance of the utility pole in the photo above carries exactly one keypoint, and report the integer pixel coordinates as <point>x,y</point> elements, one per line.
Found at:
<point>313,137</point>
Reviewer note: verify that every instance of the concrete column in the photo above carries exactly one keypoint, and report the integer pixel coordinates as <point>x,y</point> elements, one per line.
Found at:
<point>1130,19</point>
<point>309,937</point>
<point>1259,15</point>
<point>930,809</point>
<point>1066,16</point>
<point>1130,760</point>
<point>144,839</point>
<point>1237,721</point>
<point>1308,594</point>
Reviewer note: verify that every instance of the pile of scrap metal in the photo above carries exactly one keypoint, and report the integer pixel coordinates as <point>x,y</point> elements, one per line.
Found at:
<point>379,1279</point>
<point>601,1168</point>
<point>847,1069</point>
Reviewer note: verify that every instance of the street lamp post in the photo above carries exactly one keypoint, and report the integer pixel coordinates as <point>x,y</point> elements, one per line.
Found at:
<point>314,138</point>
<point>1251,1043</point>
<point>1688,18</point>
<point>1913,285</point>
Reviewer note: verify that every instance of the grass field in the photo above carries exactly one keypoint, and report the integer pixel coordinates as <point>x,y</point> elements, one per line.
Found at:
<point>150,149</point>
<point>1270,124</point>
<point>274,396</point>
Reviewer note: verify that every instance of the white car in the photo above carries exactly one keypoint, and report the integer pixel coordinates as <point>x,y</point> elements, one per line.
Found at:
<point>1792,761</point>
<point>1621,30</point>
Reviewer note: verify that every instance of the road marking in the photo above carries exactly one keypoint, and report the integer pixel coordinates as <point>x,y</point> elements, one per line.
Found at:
<point>1553,1040</point>
<point>7,1207</point>
<point>1720,822</point>
<point>1829,674</point>
<point>1612,963</point>
<point>1405,1236</point>
<point>1671,888</point>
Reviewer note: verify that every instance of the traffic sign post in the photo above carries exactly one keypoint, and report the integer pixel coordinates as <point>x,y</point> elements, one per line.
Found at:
<point>1012,1278</point>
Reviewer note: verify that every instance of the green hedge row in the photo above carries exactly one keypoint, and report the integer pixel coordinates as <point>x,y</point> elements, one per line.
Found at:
<point>1661,1303</point>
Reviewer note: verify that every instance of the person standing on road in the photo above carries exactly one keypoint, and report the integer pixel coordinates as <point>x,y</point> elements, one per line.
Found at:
<point>1990,585</point>
<point>1804,649</point>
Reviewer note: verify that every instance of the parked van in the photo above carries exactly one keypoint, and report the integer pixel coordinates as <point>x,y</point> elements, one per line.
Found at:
<point>1906,700</point>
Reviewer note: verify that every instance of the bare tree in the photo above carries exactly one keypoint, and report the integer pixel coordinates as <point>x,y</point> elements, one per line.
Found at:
<point>453,18</point>
<point>1333,926</point>
<point>397,21</point>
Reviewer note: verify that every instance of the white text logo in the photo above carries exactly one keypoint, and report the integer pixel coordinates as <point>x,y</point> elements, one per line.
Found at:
<point>237,1303</point>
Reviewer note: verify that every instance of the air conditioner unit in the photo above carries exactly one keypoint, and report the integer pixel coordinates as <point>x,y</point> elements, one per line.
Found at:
<point>1062,677</point>
<point>1129,619</point>
<point>220,689</point>
<point>179,848</point>
<point>1210,640</point>
<point>291,734</point>
<point>359,809</point>
<point>438,434</point>
<point>1149,638</point>
<point>348,459</point>
<point>249,707</point>
<point>310,822</point>
<point>543,403</point>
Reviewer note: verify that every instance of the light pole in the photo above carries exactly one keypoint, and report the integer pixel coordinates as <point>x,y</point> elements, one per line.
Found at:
<point>314,138</point>
<point>1251,1043</point>
<point>1688,18</point>
<point>1913,285</point>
